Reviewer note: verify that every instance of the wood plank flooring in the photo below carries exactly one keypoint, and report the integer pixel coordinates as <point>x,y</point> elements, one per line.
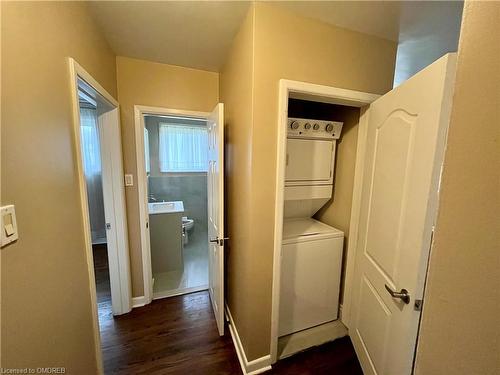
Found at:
<point>178,335</point>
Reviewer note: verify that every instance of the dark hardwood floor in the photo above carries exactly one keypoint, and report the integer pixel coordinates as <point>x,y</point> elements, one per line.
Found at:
<point>101,270</point>
<point>334,358</point>
<point>178,335</point>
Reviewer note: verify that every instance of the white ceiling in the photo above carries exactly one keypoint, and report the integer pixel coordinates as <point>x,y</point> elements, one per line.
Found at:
<point>198,34</point>
<point>194,34</point>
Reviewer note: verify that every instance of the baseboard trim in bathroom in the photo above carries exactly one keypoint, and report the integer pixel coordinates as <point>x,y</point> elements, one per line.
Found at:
<point>257,366</point>
<point>178,292</point>
<point>296,342</point>
<point>138,301</point>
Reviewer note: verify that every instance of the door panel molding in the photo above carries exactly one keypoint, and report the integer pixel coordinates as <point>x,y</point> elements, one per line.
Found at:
<point>397,207</point>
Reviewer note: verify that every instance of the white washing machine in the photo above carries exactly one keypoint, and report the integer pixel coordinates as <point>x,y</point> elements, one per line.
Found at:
<point>311,262</point>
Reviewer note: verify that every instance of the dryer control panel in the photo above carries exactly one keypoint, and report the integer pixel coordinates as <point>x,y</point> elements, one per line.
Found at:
<point>307,128</point>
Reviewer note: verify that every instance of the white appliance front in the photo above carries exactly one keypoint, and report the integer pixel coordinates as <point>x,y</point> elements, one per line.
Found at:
<point>310,274</point>
<point>310,161</point>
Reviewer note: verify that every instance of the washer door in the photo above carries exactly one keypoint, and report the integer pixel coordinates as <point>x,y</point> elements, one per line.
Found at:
<point>309,160</point>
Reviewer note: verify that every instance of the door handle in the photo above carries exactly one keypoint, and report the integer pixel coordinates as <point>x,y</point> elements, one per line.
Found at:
<point>403,294</point>
<point>218,240</point>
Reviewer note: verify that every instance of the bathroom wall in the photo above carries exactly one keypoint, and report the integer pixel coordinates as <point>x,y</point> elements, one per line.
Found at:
<point>46,311</point>
<point>191,188</point>
<point>159,85</point>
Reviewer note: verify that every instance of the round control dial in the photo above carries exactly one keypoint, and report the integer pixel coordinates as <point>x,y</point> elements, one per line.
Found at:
<point>316,127</point>
<point>307,126</point>
<point>329,127</point>
<point>294,125</point>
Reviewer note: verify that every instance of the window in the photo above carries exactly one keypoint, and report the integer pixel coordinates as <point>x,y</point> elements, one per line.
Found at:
<point>90,142</point>
<point>183,148</point>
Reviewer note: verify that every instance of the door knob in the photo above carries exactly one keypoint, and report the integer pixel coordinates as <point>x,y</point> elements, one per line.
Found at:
<point>218,240</point>
<point>403,294</point>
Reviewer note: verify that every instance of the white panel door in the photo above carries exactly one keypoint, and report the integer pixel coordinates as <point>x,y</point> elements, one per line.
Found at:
<point>215,189</point>
<point>404,153</point>
<point>114,211</point>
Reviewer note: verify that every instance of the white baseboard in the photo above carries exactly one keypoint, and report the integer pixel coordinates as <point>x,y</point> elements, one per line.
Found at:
<point>257,366</point>
<point>138,301</point>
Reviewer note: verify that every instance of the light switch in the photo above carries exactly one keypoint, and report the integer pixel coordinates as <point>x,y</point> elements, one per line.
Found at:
<point>9,230</point>
<point>129,180</point>
<point>8,224</point>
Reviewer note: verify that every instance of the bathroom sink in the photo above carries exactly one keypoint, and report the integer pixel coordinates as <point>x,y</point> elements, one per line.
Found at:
<point>165,207</point>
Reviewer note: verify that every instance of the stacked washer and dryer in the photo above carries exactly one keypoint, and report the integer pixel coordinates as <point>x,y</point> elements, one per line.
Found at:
<point>311,250</point>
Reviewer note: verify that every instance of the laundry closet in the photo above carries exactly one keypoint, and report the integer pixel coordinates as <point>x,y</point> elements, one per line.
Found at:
<point>320,156</point>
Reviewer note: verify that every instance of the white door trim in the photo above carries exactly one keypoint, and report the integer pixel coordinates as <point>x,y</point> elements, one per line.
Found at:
<point>304,90</point>
<point>139,112</point>
<point>122,260</point>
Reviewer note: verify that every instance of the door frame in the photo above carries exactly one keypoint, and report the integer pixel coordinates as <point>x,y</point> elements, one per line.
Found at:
<point>334,95</point>
<point>139,112</point>
<point>120,276</point>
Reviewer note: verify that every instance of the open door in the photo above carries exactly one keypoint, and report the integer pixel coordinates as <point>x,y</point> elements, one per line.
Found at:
<point>406,138</point>
<point>114,210</point>
<point>215,190</point>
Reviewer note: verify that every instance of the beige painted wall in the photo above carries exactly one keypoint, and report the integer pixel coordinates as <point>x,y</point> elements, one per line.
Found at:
<point>146,83</point>
<point>46,309</point>
<point>284,46</point>
<point>337,212</point>
<point>460,329</point>
<point>236,84</point>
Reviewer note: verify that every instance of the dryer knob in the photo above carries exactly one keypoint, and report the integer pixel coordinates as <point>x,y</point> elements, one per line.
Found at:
<point>316,127</point>
<point>294,125</point>
<point>329,127</point>
<point>307,126</point>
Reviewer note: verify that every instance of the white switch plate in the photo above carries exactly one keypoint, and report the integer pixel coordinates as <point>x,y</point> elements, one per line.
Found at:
<point>8,225</point>
<point>129,180</point>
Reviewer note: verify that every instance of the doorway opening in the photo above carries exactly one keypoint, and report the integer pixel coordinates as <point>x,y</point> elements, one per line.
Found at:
<point>92,166</point>
<point>176,162</point>
<point>391,210</point>
<point>176,152</point>
<point>319,135</point>
<point>102,197</point>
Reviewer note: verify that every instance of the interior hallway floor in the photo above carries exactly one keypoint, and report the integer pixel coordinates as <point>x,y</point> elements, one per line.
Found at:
<point>103,287</point>
<point>178,335</point>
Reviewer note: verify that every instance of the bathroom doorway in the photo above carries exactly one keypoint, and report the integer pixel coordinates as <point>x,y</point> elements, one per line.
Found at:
<point>180,175</point>
<point>176,162</point>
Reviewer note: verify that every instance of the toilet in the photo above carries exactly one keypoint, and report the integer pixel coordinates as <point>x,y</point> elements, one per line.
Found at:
<point>187,226</point>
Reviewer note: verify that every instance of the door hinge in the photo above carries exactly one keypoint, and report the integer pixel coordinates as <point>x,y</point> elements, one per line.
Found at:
<point>418,304</point>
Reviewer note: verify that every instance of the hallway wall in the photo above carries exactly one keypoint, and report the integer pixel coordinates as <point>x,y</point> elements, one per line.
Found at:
<point>460,331</point>
<point>275,43</point>
<point>160,85</point>
<point>46,310</point>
